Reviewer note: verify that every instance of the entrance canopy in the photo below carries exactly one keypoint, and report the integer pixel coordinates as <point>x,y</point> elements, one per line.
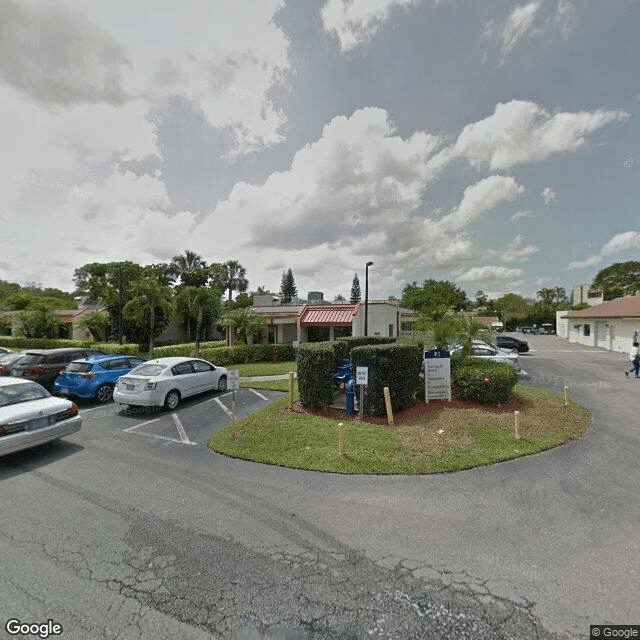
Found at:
<point>335,315</point>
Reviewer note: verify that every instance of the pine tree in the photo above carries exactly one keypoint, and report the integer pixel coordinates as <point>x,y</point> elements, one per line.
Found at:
<point>356,294</point>
<point>288,289</point>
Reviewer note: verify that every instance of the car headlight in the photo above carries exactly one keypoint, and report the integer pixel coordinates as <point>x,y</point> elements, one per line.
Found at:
<point>149,386</point>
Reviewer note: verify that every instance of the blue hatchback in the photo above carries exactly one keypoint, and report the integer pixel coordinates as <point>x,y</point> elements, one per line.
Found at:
<point>94,376</point>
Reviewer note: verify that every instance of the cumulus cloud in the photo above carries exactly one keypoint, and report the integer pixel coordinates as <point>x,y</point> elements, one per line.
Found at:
<point>619,243</point>
<point>481,197</point>
<point>355,22</point>
<point>520,215</point>
<point>516,252</point>
<point>521,131</point>
<point>548,194</point>
<point>489,272</point>
<point>56,56</point>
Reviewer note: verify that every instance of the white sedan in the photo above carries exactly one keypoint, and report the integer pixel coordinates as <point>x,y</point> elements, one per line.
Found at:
<point>30,415</point>
<point>163,382</point>
<point>486,351</point>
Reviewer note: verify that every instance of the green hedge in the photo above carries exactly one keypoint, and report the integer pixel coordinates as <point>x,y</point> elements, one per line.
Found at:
<point>242,353</point>
<point>316,366</point>
<point>483,381</point>
<point>397,366</point>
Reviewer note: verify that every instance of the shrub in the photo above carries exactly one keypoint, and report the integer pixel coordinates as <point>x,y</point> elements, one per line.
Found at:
<point>242,353</point>
<point>483,381</point>
<point>316,366</point>
<point>394,365</point>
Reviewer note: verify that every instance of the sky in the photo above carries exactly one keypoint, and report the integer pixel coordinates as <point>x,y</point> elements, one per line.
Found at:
<point>493,144</point>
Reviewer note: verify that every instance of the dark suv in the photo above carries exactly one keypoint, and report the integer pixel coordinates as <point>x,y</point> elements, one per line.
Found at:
<point>44,365</point>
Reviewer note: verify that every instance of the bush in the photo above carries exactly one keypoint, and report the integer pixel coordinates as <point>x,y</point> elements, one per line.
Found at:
<point>316,366</point>
<point>242,353</point>
<point>394,365</point>
<point>483,381</point>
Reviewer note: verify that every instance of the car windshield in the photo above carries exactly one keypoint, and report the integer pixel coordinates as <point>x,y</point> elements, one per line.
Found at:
<point>17,393</point>
<point>148,370</point>
<point>79,367</point>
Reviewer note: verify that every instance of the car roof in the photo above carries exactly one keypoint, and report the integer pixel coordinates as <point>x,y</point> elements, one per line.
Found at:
<point>107,357</point>
<point>54,351</point>
<point>171,360</point>
<point>7,381</point>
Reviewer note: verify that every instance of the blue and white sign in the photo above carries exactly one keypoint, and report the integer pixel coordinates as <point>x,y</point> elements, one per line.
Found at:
<point>437,375</point>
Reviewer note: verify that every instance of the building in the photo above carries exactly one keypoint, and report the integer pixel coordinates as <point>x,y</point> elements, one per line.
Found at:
<point>304,322</point>
<point>612,325</point>
<point>585,294</point>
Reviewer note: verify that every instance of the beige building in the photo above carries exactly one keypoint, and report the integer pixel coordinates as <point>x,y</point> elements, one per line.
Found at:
<point>612,325</point>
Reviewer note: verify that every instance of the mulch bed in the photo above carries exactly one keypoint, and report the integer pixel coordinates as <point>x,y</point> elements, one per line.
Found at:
<point>420,408</point>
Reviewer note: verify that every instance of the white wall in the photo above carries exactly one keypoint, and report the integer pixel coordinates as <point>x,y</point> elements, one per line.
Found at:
<point>618,336</point>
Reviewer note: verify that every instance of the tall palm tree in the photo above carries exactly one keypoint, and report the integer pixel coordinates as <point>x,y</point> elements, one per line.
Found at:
<point>188,260</point>
<point>236,277</point>
<point>201,302</point>
<point>149,296</point>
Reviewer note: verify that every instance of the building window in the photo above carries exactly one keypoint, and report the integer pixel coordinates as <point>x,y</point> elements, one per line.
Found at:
<point>586,330</point>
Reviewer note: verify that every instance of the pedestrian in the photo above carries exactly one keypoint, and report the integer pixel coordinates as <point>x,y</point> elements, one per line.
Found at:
<point>634,356</point>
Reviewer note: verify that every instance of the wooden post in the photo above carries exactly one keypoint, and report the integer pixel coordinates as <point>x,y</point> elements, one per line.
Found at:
<point>567,397</point>
<point>290,389</point>
<point>341,438</point>
<point>387,402</point>
<point>517,424</point>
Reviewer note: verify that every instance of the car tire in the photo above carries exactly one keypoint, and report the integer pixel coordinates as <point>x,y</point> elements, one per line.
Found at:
<point>222,383</point>
<point>104,393</point>
<point>172,399</point>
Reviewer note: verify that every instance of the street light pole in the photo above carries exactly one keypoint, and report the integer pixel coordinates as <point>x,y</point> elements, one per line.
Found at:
<point>366,298</point>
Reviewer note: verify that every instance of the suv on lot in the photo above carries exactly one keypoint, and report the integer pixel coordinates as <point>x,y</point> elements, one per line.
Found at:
<point>44,365</point>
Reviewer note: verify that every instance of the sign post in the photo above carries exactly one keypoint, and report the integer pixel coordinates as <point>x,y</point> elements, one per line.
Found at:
<point>362,379</point>
<point>233,383</point>
<point>437,375</point>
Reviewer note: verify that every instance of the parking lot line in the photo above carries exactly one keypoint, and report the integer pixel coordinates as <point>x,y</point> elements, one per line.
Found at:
<point>181,431</point>
<point>224,408</point>
<point>258,394</point>
<point>140,424</point>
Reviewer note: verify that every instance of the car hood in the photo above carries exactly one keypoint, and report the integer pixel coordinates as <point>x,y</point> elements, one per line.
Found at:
<point>32,409</point>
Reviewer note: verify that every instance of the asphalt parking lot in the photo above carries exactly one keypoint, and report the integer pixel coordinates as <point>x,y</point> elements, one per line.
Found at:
<point>191,424</point>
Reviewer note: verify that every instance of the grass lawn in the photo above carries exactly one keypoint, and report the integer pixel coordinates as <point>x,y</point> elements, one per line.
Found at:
<point>445,439</point>
<point>264,368</point>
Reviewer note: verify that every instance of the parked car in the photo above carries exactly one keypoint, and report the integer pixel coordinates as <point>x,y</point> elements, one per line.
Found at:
<point>30,415</point>
<point>7,359</point>
<point>5,350</point>
<point>527,329</point>
<point>547,328</point>
<point>165,381</point>
<point>508,342</point>
<point>94,376</point>
<point>44,365</point>
<point>486,351</point>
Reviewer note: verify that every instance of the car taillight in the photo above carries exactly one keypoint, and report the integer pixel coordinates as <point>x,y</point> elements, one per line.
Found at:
<point>2,431</point>
<point>35,371</point>
<point>3,368</point>
<point>69,413</point>
<point>88,376</point>
<point>150,385</point>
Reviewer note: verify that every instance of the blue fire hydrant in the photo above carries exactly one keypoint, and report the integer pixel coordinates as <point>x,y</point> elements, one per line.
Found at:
<point>350,392</point>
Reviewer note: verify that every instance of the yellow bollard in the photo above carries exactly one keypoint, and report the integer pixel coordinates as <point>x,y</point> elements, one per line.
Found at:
<point>567,398</point>
<point>517,424</point>
<point>387,402</point>
<point>290,389</point>
<point>341,438</point>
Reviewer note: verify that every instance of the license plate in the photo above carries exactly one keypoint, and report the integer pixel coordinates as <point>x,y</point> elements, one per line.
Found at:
<point>38,424</point>
<point>130,387</point>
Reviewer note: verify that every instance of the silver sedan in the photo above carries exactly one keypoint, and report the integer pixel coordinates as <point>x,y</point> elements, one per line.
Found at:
<point>30,415</point>
<point>165,381</point>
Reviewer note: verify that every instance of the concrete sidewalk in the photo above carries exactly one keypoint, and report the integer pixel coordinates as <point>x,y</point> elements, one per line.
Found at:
<point>281,376</point>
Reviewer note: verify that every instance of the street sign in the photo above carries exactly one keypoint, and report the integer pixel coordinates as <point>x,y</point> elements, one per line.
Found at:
<point>437,375</point>
<point>233,379</point>
<point>362,375</point>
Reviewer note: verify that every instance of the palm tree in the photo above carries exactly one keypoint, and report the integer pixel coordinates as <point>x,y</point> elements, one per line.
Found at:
<point>243,323</point>
<point>235,278</point>
<point>149,296</point>
<point>96,322</point>
<point>187,261</point>
<point>201,302</point>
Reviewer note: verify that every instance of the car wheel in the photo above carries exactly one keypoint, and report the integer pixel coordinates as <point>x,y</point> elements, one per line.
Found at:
<point>104,392</point>
<point>222,383</point>
<point>172,399</point>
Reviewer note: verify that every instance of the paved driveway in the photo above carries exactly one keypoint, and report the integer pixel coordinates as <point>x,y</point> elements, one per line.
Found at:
<point>117,534</point>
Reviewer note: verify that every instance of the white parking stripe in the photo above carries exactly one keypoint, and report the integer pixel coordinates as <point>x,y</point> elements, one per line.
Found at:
<point>154,435</point>
<point>181,431</point>
<point>258,394</point>
<point>225,409</point>
<point>140,424</point>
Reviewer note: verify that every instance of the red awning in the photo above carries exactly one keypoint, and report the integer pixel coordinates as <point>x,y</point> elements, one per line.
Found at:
<point>329,316</point>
